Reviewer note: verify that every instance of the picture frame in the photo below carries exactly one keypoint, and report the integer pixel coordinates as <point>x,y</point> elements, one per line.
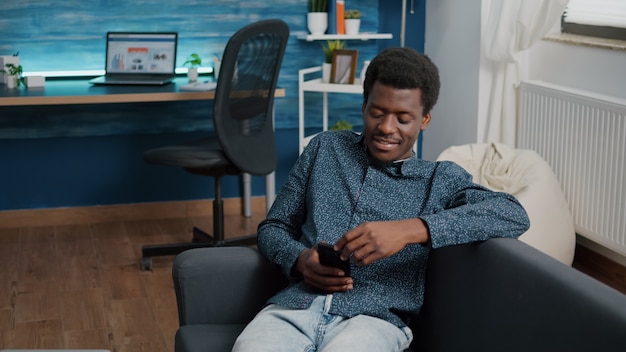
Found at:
<point>343,67</point>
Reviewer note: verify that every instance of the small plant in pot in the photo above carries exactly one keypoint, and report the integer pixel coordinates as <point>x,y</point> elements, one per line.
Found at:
<point>353,21</point>
<point>341,125</point>
<point>352,14</point>
<point>15,78</point>
<point>317,17</point>
<point>318,5</point>
<point>329,48</point>
<point>194,60</point>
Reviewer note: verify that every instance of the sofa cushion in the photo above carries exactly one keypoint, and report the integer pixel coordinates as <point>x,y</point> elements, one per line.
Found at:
<point>205,337</point>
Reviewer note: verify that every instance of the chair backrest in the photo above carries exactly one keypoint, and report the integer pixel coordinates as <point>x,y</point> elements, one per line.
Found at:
<point>244,96</point>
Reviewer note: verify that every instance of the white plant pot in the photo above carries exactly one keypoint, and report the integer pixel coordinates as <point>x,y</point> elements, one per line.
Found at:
<point>317,22</point>
<point>326,72</point>
<point>11,81</point>
<point>192,74</point>
<point>217,65</point>
<point>7,59</point>
<point>353,25</point>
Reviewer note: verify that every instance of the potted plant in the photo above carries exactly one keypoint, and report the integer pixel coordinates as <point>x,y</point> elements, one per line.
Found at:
<point>14,73</point>
<point>341,125</point>
<point>353,21</point>
<point>194,60</point>
<point>317,17</point>
<point>329,48</point>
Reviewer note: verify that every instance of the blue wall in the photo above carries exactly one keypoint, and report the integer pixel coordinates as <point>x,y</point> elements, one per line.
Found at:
<point>390,20</point>
<point>69,35</point>
<point>82,171</point>
<point>72,157</point>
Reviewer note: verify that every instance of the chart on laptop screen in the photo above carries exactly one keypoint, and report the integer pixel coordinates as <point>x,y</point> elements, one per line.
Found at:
<point>141,52</point>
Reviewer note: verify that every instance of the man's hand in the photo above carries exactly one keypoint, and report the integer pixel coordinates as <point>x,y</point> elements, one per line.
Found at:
<point>325,278</point>
<point>372,241</point>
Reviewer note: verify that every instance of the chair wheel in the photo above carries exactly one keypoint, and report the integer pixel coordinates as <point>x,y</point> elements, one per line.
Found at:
<point>146,263</point>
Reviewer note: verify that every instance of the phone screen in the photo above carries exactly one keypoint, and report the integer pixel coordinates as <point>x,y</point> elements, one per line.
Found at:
<point>330,257</point>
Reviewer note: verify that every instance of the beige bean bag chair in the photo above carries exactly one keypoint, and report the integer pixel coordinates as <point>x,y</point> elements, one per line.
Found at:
<point>524,174</point>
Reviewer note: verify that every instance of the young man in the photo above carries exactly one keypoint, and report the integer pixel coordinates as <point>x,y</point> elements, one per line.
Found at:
<point>383,209</point>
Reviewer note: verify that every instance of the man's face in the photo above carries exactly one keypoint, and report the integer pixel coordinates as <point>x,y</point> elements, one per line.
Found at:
<point>392,120</point>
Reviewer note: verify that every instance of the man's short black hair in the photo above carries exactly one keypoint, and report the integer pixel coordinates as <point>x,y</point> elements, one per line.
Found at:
<point>404,68</point>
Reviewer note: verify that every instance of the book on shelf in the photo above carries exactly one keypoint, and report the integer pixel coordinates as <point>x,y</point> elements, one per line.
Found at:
<point>332,23</point>
<point>340,9</point>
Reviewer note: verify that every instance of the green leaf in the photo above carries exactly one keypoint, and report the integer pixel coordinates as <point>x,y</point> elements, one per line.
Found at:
<point>341,125</point>
<point>193,60</point>
<point>318,6</point>
<point>330,47</point>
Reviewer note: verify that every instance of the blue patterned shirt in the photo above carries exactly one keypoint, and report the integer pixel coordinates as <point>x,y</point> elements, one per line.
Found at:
<point>335,186</point>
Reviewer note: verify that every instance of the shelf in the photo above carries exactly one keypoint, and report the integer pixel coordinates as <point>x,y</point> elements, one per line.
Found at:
<point>360,36</point>
<point>316,85</point>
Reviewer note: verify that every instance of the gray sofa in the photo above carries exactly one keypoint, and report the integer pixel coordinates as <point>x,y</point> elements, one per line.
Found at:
<point>498,295</point>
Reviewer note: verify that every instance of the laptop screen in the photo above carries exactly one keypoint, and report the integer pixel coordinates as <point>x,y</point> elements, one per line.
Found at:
<point>152,53</point>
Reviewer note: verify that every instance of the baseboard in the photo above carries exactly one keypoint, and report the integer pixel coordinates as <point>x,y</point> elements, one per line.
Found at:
<point>122,212</point>
<point>602,250</point>
<point>600,263</point>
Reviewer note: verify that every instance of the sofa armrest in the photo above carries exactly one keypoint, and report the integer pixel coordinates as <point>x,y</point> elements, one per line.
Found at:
<point>503,295</point>
<point>223,285</point>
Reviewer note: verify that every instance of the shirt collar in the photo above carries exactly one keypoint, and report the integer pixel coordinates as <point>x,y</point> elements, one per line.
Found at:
<point>406,167</point>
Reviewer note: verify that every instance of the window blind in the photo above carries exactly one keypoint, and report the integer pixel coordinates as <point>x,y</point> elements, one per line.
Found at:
<point>600,18</point>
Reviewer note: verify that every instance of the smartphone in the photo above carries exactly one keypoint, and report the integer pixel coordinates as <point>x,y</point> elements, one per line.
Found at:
<point>331,257</point>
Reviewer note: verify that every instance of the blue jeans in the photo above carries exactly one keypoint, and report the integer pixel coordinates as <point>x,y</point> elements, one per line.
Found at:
<point>277,329</point>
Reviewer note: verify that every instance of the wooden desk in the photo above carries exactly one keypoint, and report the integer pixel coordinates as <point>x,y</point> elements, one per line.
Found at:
<point>80,91</point>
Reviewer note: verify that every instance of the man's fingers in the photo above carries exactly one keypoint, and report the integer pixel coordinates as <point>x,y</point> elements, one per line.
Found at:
<point>329,279</point>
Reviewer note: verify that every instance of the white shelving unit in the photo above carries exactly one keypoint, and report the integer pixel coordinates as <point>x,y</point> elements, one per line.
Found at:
<point>360,36</point>
<point>306,84</point>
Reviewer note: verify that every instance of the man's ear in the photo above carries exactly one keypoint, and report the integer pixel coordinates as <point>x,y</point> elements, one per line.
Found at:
<point>425,121</point>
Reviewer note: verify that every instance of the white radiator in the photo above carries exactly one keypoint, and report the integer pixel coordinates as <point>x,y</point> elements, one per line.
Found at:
<point>583,137</point>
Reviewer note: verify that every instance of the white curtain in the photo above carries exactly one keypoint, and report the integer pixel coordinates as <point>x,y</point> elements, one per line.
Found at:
<point>512,26</point>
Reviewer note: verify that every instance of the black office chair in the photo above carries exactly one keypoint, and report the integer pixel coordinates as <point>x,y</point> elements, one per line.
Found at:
<point>242,118</point>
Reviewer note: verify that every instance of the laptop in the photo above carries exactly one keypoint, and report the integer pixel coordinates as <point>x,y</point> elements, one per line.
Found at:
<point>139,58</point>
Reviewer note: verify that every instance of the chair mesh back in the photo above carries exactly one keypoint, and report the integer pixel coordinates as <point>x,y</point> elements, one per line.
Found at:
<point>244,96</point>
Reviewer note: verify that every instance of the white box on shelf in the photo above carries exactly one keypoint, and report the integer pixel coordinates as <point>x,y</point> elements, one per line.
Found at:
<point>35,81</point>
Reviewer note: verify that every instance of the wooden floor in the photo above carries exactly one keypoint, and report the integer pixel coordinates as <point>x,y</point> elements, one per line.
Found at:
<point>601,268</point>
<point>77,284</point>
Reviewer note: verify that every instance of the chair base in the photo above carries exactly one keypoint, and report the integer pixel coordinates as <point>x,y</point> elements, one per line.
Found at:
<point>200,239</point>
